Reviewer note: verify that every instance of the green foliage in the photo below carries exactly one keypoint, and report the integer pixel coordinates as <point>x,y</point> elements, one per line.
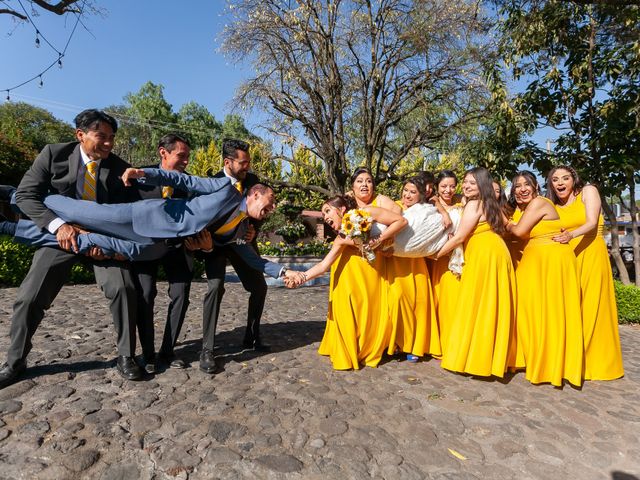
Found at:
<point>15,160</point>
<point>146,116</point>
<point>24,131</point>
<point>316,248</point>
<point>15,260</point>
<point>628,300</point>
<point>205,162</point>
<point>33,126</point>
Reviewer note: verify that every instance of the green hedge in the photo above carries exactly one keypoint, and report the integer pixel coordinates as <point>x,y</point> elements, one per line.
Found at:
<point>15,260</point>
<point>628,300</point>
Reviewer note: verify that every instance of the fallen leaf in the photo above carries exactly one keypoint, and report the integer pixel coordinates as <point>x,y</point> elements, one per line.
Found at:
<point>456,454</point>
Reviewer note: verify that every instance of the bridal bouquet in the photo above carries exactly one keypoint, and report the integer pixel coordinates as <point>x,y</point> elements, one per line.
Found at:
<point>356,225</point>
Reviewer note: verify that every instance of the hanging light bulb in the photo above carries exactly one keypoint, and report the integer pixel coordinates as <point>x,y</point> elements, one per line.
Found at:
<point>37,39</point>
<point>8,97</point>
<point>41,84</point>
<point>60,61</point>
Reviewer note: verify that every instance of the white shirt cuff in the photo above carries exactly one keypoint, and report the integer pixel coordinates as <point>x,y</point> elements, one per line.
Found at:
<point>54,225</point>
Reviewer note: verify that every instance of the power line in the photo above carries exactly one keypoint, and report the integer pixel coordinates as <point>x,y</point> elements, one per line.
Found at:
<point>61,54</point>
<point>152,124</point>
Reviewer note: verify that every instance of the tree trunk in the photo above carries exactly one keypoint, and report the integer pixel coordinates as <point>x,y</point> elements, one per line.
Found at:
<point>615,243</point>
<point>633,210</point>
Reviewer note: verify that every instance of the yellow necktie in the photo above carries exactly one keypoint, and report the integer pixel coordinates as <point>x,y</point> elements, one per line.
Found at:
<point>238,186</point>
<point>231,224</point>
<point>167,192</point>
<point>89,188</point>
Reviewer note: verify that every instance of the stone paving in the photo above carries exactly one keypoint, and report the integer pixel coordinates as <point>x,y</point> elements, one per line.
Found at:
<point>287,414</point>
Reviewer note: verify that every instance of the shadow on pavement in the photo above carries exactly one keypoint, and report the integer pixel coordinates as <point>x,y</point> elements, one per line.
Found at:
<point>279,336</point>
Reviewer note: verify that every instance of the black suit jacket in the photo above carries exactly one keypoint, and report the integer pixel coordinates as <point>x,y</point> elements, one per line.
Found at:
<point>55,170</point>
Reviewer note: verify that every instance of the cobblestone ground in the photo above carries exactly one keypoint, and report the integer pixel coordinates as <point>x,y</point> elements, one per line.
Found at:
<point>287,414</point>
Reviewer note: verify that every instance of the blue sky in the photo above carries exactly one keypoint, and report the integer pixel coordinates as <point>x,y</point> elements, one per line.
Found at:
<point>170,43</point>
<point>167,42</point>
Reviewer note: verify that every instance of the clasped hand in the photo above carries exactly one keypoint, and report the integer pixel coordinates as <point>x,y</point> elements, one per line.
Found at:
<point>293,279</point>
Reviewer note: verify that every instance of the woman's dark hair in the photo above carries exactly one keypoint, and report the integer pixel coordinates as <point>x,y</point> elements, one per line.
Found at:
<point>445,174</point>
<point>420,184</point>
<point>577,183</point>
<point>503,201</point>
<point>530,177</point>
<point>340,201</point>
<point>358,171</point>
<point>491,207</point>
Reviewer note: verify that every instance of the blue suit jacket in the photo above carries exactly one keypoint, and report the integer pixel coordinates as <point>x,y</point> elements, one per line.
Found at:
<point>214,199</point>
<point>210,194</point>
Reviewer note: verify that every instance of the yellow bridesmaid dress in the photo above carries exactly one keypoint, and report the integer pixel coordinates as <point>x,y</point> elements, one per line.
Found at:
<point>414,328</point>
<point>549,323</point>
<point>355,334</point>
<point>603,356</point>
<point>446,294</point>
<point>515,244</point>
<point>482,335</point>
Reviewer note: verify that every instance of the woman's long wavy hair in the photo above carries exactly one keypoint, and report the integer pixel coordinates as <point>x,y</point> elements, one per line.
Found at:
<point>577,183</point>
<point>530,177</point>
<point>420,184</point>
<point>491,207</point>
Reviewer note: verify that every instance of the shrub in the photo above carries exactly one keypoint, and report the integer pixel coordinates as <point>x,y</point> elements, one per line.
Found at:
<point>15,260</point>
<point>316,248</point>
<point>628,300</point>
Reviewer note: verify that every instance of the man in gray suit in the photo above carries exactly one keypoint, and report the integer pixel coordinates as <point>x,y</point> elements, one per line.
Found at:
<point>174,153</point>
<point>83,169</point>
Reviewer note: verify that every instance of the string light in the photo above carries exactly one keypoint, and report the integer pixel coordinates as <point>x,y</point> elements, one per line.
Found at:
<point>39,35</point>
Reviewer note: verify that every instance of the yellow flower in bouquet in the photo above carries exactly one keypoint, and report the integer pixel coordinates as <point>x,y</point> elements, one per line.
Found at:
<point>356,225</point>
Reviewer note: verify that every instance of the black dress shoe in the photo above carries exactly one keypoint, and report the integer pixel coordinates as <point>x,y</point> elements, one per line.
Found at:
<point>150,365</point>
<point>128,368</point>
<point>208,362</point>
<point>171,361</point>
<point>9,375</point>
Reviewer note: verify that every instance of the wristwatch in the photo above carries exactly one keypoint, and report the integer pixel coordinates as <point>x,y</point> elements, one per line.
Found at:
<point>283,271</point>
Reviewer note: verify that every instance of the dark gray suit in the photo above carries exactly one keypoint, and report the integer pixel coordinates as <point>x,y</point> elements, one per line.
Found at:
<point>178,267</point>
<point>252,280</point>
<point>55,170</point>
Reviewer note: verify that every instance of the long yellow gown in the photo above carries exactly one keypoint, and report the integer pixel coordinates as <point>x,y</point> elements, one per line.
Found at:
<point>515,244</point>
<point>482,335</point>
<point>446,295</point>
<point>356,332</point>
<point>549,323</point>
<point>603,356</point>
<point>412,313</point>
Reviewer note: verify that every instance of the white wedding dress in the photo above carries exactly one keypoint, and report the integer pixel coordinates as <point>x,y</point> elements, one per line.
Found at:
<point>424,234</point>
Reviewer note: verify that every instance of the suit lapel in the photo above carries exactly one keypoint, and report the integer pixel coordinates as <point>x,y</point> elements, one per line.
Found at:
<point>74,166</point>
<point>101,181</point>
